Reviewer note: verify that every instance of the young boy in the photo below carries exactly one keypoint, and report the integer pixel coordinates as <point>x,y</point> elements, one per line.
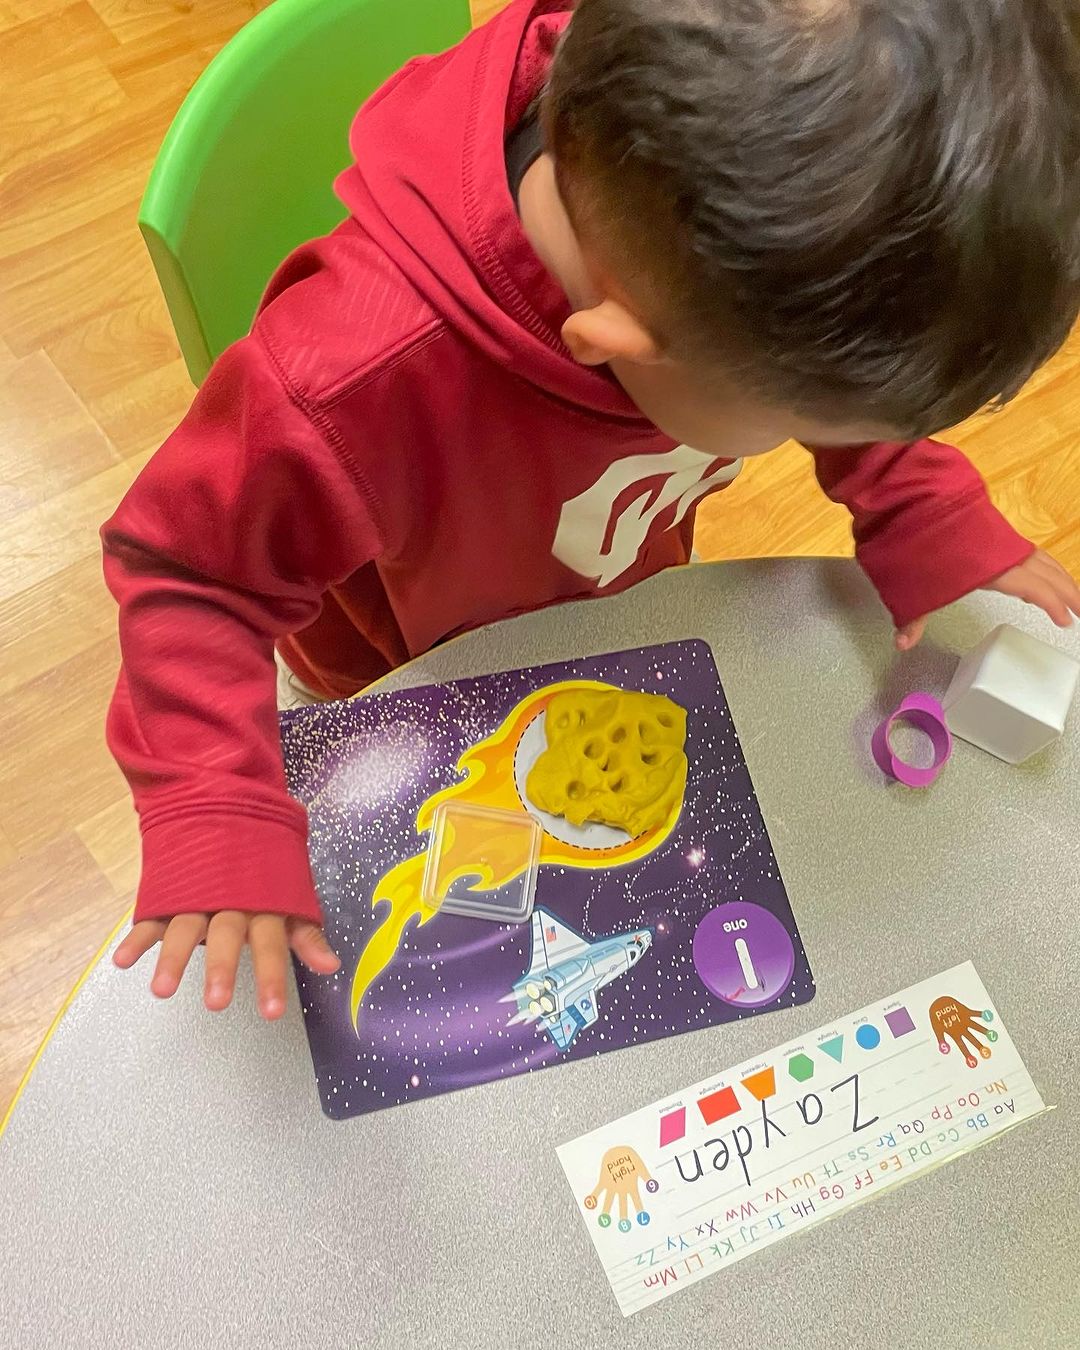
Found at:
<point>590,263</point>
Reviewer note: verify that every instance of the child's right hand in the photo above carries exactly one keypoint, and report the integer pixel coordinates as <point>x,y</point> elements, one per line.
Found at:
<point>270,937</point>
<point>1039,580</point>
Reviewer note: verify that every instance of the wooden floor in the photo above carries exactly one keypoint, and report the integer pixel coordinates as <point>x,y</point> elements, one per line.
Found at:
<point>90,382</point>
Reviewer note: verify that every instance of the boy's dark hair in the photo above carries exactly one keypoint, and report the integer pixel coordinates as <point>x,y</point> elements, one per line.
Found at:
<point>862,206</point>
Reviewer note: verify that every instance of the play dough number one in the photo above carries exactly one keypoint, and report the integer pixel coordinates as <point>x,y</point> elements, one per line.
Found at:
<point>613,757</point>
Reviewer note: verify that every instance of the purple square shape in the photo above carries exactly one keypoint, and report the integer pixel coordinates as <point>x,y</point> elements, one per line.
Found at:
<point>899,1022</point>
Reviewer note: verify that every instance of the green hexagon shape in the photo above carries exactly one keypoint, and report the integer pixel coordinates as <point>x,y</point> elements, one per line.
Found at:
<point>801,1067</point>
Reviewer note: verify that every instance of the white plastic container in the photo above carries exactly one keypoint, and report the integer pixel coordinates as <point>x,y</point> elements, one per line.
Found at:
<point>1011,694</point>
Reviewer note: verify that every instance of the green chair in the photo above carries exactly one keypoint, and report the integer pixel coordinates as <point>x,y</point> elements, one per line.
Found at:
<point>246,171</point>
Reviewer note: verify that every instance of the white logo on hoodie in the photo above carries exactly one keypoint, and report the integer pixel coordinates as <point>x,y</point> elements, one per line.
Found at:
<point>587,520</point>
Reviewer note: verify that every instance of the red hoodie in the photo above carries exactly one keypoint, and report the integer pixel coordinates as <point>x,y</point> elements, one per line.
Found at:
<point>402,449</point>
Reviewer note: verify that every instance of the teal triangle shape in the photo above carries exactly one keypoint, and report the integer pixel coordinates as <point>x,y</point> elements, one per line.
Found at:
<point>834,1048</point>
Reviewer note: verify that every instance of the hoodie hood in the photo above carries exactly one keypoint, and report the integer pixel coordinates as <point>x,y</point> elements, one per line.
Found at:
<point>429,186</point>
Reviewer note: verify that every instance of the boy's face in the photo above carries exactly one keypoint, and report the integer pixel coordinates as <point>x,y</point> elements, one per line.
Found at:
<point>724,420</point>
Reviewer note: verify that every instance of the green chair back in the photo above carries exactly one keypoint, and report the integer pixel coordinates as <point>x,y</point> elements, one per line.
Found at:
<point>245,173</point>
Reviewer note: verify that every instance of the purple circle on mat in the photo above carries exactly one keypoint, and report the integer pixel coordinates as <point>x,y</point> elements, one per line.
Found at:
<point>743,954</point>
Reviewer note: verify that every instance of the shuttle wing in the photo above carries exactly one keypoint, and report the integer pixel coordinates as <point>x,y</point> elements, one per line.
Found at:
<point>552,942</point>
<point>580,1014</point>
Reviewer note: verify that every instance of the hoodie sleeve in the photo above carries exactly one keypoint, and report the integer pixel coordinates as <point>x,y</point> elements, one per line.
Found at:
<point>926,531</point>
<point>226,541</point>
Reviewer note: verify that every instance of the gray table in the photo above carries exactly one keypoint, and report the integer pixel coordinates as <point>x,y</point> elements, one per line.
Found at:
<point>168,1178</point>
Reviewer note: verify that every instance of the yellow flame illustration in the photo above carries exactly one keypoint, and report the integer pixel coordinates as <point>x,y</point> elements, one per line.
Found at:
<point>469,850</point>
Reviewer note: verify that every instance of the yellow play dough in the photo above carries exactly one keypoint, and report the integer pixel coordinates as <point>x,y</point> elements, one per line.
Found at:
<point>612,757</point>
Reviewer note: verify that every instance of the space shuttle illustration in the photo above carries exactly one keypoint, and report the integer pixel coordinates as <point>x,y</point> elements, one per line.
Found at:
<point>567,970</point>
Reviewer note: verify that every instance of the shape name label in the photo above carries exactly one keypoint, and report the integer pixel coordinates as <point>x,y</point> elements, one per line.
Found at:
<point>686,1186</point>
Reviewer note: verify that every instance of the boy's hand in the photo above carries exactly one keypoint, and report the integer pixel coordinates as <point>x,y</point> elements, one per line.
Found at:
<point>1039,580</point>
<point>270,937</point>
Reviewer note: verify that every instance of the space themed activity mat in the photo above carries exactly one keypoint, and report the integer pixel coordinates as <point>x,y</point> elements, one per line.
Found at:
<point>531,867</point>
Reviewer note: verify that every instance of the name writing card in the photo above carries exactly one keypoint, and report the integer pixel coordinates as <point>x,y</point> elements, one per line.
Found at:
<point>682,1188</point>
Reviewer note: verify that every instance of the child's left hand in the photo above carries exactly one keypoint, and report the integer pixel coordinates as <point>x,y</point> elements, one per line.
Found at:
<point>1040,580</point>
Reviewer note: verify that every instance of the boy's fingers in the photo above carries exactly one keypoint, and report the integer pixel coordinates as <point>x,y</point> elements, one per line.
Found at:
<point>910,634</point>
<point>1040,591</point>
<point>1058,594</point>
<point>224,943</point>
<point>138,941</point>
<point>269,951</point>
<point>1051,565</point>
<point>1057,610</point>
<point>1066,587</point>
<point>1049,599</point>
<point>309,943</point>
<point>182,936</point>
<point>1043,582</point>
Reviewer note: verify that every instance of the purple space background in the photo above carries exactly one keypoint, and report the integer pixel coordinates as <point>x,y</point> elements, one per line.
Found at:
<point>433,1022</point>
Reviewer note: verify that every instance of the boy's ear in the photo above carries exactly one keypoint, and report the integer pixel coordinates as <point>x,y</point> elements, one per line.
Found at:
<point>608,331</point>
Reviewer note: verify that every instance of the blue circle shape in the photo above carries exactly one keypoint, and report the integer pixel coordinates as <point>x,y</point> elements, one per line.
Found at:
<point>643,1218</point>
<point>624,1225</point>
<point>868,1036</point>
